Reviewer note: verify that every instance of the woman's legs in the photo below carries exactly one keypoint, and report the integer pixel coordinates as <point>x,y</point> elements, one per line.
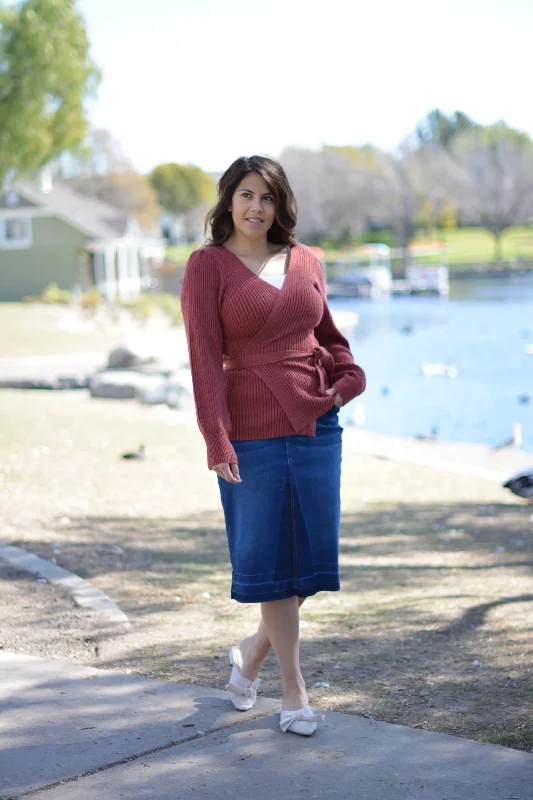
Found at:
<point>281,620</point>
<point>280,629</point>
<point>255,648</point>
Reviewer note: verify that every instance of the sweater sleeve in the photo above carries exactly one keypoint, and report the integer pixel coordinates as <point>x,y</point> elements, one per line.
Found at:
<point>200,291</point>
<point>348,379</point>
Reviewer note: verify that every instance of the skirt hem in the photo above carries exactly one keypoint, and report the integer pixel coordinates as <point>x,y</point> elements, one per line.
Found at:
<point>283,594</point>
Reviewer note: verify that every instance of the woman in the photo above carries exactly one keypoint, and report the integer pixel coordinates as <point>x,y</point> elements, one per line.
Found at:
<point>270,371</point>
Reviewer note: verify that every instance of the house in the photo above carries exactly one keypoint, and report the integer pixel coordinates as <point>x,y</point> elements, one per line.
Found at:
<point>53,234</point>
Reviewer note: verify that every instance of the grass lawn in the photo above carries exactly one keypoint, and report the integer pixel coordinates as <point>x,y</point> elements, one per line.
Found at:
<point>181,253</point>
<point>30,329</point>
<point>432,627</point>
<point>66,330</point>
<point>472,245</point>
<point>465,246</point>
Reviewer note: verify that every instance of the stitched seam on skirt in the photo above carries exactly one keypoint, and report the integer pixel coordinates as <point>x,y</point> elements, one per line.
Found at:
<point>321,575</point>
<point>254,575</point>
<point>289,592</point>
<point>279,585</point>
<point>304,585</point>
<point>293,527</point>
<point>312,576</point>
<point>285,584</point>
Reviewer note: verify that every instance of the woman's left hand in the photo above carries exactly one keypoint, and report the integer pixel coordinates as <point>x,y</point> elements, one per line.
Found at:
<point>338,398</point>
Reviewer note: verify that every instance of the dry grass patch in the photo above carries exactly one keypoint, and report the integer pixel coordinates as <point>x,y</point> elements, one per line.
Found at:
<point>433,625</point>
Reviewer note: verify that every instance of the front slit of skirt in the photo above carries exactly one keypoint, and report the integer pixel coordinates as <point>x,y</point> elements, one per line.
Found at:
<point>294,572</point>
<point>294,565</point>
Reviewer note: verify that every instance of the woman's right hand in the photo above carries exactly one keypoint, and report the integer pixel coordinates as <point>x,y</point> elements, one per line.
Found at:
<point>230,472</point>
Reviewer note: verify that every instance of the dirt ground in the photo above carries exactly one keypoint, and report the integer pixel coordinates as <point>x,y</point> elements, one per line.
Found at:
<point>432,627</point>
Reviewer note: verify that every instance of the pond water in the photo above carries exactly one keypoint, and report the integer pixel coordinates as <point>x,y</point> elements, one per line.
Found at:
<point>483,330</point>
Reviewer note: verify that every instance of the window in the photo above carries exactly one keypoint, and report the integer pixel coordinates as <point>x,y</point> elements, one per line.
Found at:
<point>15,229</point>
<point>15,232</point>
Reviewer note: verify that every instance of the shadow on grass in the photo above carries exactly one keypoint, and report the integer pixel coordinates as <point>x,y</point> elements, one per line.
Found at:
<point>385,549</point>
<point>432,627</point>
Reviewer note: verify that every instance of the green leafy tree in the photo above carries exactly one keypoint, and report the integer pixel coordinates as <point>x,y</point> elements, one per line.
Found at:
<point>184,190</point>
<point>182,187</point>
<point>46,75</point>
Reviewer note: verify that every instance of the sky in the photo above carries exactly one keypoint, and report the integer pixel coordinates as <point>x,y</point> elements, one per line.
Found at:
<point>206,81</point>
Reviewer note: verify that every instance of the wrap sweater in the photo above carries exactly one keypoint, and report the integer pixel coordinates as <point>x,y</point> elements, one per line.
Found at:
<point>261,358</point>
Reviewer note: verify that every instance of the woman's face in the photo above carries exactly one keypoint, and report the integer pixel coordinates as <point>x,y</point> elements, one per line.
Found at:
<point>253,207</point>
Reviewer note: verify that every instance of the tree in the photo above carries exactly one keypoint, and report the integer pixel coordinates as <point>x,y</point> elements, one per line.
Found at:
<point>335,188</point>
<point>183,190</point>
<point>46,75</point>
<point>99,154</point>
<point>129,191</point>
<point>496,191</point>
<point>99,168</point>
<point>400,195</point>
<point>305,172</point>
<point>433,140</point>
<point>349,190</point>
<point>436,127</point>
<point>437,178</point>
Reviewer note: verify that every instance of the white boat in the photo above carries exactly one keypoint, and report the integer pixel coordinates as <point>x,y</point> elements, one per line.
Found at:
<point>365,273</point>
<point>427,271</point>
<point>430,279</point>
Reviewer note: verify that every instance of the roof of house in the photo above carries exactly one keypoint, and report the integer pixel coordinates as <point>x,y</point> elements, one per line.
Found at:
<point>92,217</point>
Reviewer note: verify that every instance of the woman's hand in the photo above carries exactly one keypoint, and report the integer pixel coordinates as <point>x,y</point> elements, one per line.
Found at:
<point>338,399</point>
<point>230,472</point>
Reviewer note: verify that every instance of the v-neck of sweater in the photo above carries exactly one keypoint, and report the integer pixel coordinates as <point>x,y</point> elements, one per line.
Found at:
<point>233,258</point>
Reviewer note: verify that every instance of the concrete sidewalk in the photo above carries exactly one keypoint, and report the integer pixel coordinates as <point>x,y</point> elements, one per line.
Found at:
<point>82,733</point>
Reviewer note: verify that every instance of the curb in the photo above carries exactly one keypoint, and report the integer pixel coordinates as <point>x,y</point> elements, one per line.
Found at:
<point>83,593</point>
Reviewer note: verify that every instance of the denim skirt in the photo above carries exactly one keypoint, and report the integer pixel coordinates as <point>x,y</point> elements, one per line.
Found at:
<point>283,520</point>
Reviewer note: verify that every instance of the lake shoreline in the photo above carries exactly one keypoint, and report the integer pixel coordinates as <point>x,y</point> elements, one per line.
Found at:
<point>494,272</point>
<point>464,458</point>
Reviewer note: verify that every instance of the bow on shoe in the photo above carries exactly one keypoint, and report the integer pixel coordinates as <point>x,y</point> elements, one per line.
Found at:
<point>298,716</point>
<point>249,691</point>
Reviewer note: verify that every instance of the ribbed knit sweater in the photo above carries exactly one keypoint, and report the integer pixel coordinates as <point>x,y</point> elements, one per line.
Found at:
<point>229,313</point>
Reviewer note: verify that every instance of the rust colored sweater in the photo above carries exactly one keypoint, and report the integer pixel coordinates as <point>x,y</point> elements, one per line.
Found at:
<point>231,313</point>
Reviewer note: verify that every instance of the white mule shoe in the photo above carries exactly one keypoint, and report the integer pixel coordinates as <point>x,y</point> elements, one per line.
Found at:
<point>302,721</point>
<point>242,691</point>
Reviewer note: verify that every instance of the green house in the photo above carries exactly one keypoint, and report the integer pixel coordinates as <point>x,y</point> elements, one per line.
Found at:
<point>54,234</point>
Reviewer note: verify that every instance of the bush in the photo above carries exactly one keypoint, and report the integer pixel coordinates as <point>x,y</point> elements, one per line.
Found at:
<point>91,298</point>
<point>171,306</point>
<point>56,296</point>
<point>145,305</point>
<point>141,307</point>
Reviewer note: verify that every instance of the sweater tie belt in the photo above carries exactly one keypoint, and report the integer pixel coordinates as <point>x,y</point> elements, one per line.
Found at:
<point>323,361</point>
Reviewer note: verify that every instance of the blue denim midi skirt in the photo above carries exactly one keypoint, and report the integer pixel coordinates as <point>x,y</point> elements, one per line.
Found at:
<point>283,520</point>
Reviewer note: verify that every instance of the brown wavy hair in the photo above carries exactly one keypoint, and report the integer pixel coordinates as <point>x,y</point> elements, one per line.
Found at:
<point>220,219</point>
